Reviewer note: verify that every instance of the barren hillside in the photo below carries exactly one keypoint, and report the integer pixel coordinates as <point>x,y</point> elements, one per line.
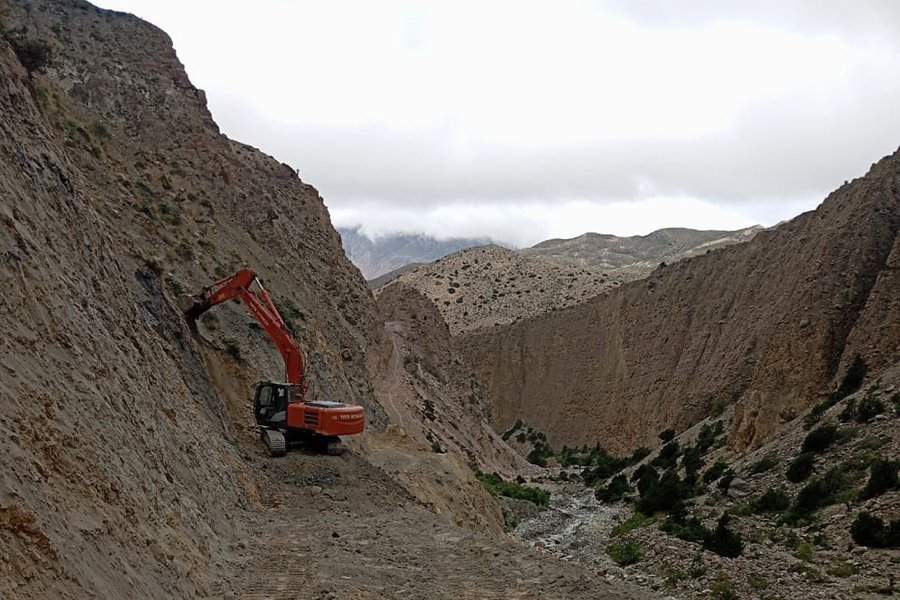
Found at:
<point>132,470</point>
<point>481,287</point>
<point>768,324</point>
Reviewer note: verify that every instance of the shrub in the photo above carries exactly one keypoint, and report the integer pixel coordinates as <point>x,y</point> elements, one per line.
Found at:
<point>436,447</point>
<point>689,529</point>
<point>820,439</point>
<point>882,478</point>
<point>772,500</point>
<point>715,471</point>
<point>495,484</point>
<point>638,519</point>
<point>210,321</point>
<point>723,588</point>
<point>801,467</point>
<point>668,456</point>
<point>289,312</point>
<point>640,454</point>
<point>869,530</point>
<point>853,378</point>
<point>805,551</point>
<point>849,412</point>
<point>692,461</point>
<point>725,482</point>
<point>662,494</point>
<point>842,570</point>
<point>614,491</point>
<point>232,347</point>
<point>667,436</point>
<point>625,553</point>
<point>706,439</point>
<point>821,491</point>
<point>723,540</point>
<point>766,463</point>
<point>758,582</point>
<point>174,286</point>
<point>868,408</point>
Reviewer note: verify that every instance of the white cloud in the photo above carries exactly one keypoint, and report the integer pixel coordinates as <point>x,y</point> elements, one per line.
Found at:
<point>423,111</point>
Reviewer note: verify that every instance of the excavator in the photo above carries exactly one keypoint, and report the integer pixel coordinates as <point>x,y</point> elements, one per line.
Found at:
<point>283,413</point>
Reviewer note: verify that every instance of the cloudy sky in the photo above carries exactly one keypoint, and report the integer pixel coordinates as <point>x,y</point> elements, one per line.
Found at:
<point>524,120</point>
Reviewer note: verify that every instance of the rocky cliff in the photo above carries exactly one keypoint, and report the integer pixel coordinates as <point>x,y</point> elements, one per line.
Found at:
<point>769,324</point>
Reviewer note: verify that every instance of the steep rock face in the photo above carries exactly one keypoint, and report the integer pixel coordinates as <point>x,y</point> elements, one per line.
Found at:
<point>426,390</point>
<point>122,475</point>
<point>771,323</point>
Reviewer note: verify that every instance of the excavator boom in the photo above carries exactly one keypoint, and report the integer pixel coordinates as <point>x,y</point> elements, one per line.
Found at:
<point>262,307</point>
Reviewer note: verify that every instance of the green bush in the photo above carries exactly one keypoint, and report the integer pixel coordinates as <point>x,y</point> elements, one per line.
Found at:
<point>869,407</point>
<point>289,312</point>
<point>715,471</point>
<point>801,467</point>
<point>723,588</point>
<point>723,541</point>
<point>667,436</point>
<point>668,456</point>
<point>726,479</point>
<point>766,463</point>
<point>882,478</point>
<point>869,530</point>
<point>820,439</point>
<point>639,454</point>
<point>689,529</point>
<point>821,491</point>
<point>495,484</point>
<point>772,500</point>
<point>625,553</point>
<point>232,347</point>
<point>636,520</point>
<point>614,491</point>
<point>662,494</point>
<point>854,377</point>
<point>174,286</point>
<point>708,435</point>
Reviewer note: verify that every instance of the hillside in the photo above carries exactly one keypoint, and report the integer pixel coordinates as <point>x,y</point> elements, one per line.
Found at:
<point>383,254</point>
<point>481,287</point>
<point>636,256</point>
<point>132,469</point>
<point>767,325</point>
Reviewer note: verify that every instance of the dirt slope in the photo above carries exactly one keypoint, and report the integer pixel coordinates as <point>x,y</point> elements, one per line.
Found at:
<point>770,323</point>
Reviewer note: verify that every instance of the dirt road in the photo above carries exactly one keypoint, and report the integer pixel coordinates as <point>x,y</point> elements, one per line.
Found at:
<point>338,528</point>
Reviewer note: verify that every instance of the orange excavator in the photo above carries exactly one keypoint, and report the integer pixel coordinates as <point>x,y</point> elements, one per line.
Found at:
<point>283,413</point>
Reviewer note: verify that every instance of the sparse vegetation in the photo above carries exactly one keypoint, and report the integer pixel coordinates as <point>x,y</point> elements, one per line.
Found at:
<point>882,478</point>
<point>625,553</point>
<point>495,484</point>
<point>723,541</point>
<point>820,439</point>
<point>34,54</point>
<point>232,347</point>
<point>801,467</point>
<point>174,285</point>
<point>772,500</point>
<point>869,530</point>
<point>289,312</point>
<point>723,588</point>
<point>636,520</point>
<point>667,436</point>
<point>615,490</point>
<point>764,464</point>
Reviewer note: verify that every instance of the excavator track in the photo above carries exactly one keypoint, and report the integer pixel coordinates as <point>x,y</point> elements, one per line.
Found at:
<point>334,446</point>
<point>274,442</point>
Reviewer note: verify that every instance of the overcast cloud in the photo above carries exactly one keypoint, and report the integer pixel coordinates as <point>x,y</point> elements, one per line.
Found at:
<point>526,120</point>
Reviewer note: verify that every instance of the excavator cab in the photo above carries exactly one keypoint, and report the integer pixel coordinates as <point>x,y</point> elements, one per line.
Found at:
<point>270,404</point>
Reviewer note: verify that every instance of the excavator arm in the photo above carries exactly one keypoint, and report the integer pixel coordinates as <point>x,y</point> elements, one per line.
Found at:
<point>262,307</point>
